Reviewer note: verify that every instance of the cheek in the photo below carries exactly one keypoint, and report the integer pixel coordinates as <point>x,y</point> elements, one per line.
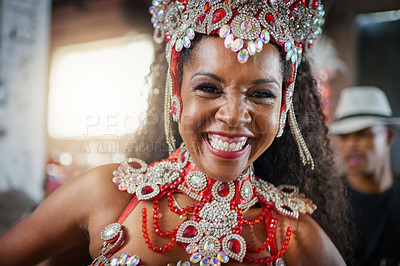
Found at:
<point>368,145</point>
<point>187,121</point>
<point>191,119</point>
<point>267,124</point>
<point>187,114</point>
<point>379,145</point>
<point>342,146</point>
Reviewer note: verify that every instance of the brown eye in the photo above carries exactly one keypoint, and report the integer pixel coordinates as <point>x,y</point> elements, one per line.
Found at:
<point>208,88</point>
<point>263,94</point>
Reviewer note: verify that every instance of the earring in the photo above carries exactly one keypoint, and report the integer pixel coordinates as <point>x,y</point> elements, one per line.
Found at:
<point>249,171</point>
<point>282,123</point>
<point>304,152</point>
<point>176,108</point>
<point>288,103</point>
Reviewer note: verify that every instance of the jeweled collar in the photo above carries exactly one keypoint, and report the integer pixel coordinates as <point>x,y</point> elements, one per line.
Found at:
<point>179,173</point>
<point>213,235</point>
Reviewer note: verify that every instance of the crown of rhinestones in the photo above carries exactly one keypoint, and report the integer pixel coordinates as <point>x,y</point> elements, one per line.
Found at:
<point>245,25</point>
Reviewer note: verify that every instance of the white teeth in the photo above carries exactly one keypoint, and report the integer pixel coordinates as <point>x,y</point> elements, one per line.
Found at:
<point>220,143</point>
<point>232,146</point>
<point>225,146</point>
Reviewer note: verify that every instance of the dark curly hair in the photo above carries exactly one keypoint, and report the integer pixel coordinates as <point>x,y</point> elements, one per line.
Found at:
<point>280,163</point>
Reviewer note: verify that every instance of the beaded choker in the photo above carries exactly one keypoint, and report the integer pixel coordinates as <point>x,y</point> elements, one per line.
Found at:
<point>213,235</point>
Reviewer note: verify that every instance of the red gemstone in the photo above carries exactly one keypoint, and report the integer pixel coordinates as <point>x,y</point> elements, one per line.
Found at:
<point>174,108</point>
<point>200,20</point>
<point>287,208</point>
<point>207,7</point>
<point>135,165</point>
<point>218,15</point>
<point>287,190</point>
<point>190,232</point>
<point>147,190</point>
<point>183,157</point>
<point>270,19</point>
<point>315,4</point>
<point>223,189</point>
<point>234,246</point>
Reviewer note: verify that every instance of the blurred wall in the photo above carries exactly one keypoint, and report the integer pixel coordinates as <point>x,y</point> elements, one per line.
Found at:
<point>87,22</point>
<point>362,58</point>
<point>23,92</point>
<point>341,28</point>
<point>378,62</point>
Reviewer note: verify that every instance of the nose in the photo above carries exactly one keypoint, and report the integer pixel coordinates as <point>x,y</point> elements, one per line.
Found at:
<point>233,112</point>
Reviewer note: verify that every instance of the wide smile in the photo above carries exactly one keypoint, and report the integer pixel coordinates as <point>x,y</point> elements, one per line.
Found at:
<point>227,146</point>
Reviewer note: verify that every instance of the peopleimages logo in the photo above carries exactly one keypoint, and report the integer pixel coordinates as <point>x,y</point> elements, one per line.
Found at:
<point>115,124</point>
<point>118,147</point>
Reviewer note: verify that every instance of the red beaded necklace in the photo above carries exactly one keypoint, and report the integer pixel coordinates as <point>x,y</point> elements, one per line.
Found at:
<point>172,234</point>
<point>207,248</point>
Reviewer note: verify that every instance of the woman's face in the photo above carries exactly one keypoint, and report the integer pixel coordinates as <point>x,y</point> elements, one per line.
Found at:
<point>231,111</point>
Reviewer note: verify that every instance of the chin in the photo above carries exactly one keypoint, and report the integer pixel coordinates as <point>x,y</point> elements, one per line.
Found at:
<point>360,171</point>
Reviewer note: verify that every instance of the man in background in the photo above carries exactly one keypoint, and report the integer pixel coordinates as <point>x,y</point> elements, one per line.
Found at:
<point>366,129</point>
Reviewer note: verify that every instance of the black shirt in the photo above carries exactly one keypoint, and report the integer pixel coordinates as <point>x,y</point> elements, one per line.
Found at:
<point>377,221</point>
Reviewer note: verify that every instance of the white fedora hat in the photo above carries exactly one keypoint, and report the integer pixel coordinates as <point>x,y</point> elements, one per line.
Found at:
<point>361,107</point>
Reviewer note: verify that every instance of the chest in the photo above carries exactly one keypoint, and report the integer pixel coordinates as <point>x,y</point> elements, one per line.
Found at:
<point>150,233</point>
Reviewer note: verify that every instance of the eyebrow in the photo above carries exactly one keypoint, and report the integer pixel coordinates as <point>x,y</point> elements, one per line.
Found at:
<point>213,76</point>
<point>266,80</point>
<point>217,78</point>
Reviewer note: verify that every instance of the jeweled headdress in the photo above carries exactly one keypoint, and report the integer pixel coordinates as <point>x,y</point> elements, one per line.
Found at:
<point>245,26</point>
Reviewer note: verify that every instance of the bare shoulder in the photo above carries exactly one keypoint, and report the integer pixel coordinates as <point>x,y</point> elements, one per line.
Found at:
<point>99,198</point>
<point>98,185</point>
<point>309,244</point>
<point>96,181</point>
<point>90,189</point>
<point>65,218</point>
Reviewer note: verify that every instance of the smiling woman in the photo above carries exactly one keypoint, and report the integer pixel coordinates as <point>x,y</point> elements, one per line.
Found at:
<point>235,74</point>
<point>229,118</point>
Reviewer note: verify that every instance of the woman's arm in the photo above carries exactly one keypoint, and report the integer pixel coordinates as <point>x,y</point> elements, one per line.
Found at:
<point>60,222</point>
